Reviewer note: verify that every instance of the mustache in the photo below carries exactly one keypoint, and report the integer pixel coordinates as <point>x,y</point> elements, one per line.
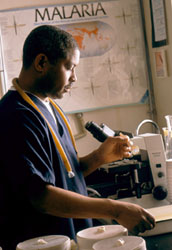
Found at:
<point>69,85</point>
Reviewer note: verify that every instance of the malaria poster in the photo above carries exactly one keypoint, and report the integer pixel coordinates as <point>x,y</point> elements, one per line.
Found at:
<point>112,69</point>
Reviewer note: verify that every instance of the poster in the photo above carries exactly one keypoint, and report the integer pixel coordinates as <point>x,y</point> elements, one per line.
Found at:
<point>160,63</point>
<point>112,69</point>
<point>158,19</point>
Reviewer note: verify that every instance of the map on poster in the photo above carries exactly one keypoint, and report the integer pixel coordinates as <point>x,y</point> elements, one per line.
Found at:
<point>113,66</point>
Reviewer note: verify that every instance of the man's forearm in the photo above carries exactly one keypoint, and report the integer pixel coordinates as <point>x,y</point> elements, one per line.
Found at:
<point>63,203</point>
<point>90,163</point>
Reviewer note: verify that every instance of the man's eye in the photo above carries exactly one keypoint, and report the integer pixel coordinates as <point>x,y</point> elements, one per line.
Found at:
<point>69,67</point>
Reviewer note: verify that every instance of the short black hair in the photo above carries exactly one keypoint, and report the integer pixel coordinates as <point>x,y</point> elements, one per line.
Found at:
<point>50,40</point>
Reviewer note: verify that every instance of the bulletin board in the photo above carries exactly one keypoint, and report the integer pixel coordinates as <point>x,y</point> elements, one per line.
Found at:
<point>113,66</point>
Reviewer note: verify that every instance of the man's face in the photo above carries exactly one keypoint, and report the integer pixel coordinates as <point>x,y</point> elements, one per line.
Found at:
<point>58,78</point>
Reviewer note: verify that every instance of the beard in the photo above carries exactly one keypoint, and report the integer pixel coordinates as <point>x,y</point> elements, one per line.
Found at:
<point>46,87</point>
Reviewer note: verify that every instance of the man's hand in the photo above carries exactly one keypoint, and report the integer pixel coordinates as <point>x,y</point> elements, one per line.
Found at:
<point>114,149</point>
<point>135,218</point>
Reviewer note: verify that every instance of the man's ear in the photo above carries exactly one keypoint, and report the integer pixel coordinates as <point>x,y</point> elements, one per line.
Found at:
<point>40,62</point>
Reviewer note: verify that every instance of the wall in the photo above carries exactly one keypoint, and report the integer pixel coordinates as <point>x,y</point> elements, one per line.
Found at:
<point>121,118</point>
<point>162,86</point>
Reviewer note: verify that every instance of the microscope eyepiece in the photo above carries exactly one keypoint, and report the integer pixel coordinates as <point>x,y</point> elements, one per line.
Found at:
<point>96,131</point>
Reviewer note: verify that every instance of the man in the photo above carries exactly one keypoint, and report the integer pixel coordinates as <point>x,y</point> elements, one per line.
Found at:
<point>42,187</point>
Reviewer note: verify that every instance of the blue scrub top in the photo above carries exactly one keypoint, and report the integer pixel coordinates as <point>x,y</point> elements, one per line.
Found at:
<point>29,156</point>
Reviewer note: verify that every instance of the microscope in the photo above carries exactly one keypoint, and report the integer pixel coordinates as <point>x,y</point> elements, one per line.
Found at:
<point>140,179</point>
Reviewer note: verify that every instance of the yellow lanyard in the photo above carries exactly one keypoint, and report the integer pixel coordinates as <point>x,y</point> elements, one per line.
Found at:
<point>56,140</point>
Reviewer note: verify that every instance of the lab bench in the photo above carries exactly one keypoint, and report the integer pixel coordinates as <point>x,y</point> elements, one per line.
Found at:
<point>159,242</point>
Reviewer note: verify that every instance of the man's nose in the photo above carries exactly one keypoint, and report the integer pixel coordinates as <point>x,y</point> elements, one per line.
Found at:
<point>73,76</point>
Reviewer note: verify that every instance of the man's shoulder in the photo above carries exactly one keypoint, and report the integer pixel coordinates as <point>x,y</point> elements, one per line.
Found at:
<point>13,105</point>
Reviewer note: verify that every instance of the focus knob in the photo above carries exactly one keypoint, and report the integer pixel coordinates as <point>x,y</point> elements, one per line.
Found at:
<point>159,192</point>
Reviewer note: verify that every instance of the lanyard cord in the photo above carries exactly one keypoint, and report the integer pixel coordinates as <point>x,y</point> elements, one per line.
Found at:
<point>57,142</point>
